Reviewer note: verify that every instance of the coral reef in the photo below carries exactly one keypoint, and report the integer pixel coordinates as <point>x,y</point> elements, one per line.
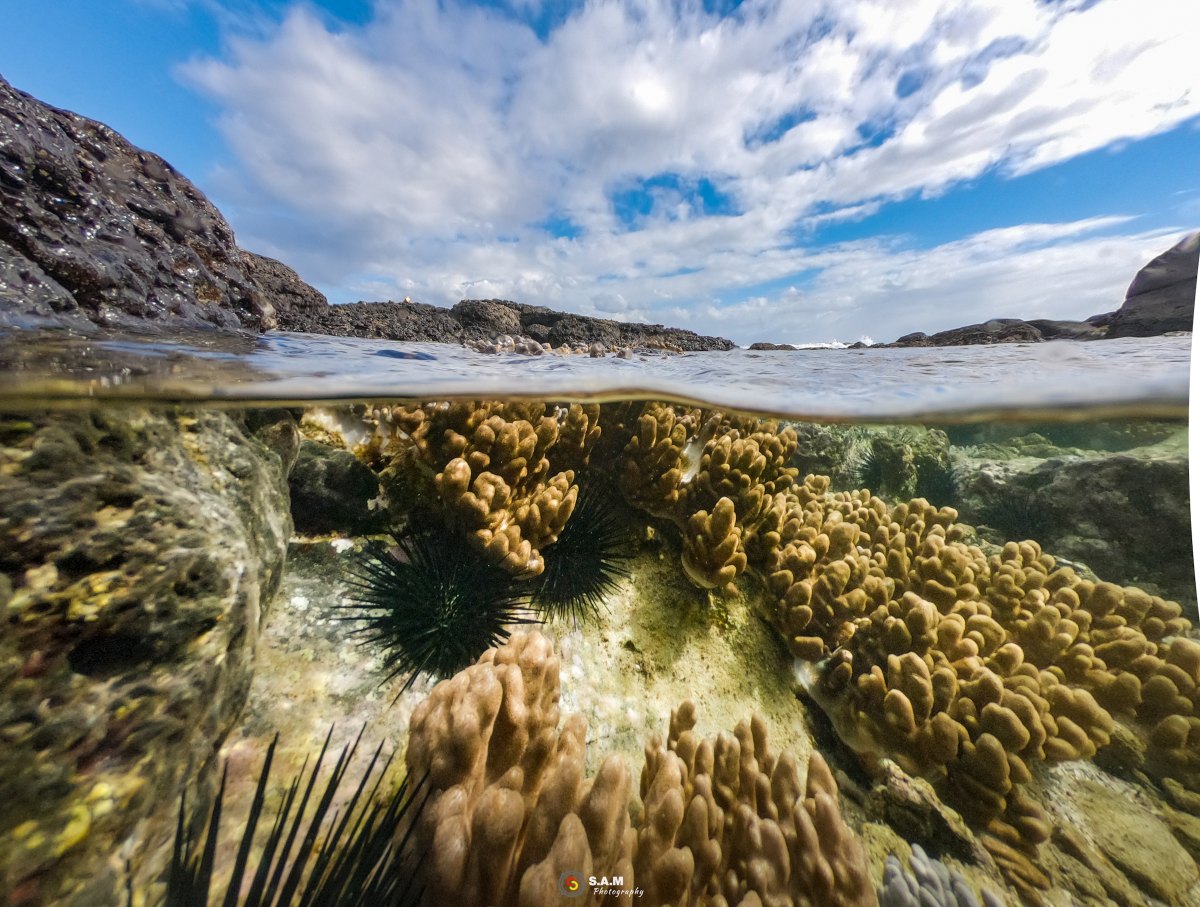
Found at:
<point>501,473</point>
<point>510,813</point>
<point>510,810</point>
<point>967,669</point>
<point>931,883</point>
<point>728,822</point>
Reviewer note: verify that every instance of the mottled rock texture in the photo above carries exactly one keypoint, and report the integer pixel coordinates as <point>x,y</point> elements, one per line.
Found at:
<point>331,491</point>
<point>1126,515</point>
<point>138,552</point>
<point>95,230</point>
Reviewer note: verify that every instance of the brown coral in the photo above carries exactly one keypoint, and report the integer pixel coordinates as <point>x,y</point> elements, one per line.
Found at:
<point>727,822</point>
<point>510,808</point>
<point>504,473</point>
<point>724,820</point>
<point>712,557</point>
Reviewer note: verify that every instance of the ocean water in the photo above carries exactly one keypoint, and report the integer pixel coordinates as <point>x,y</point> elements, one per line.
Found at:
<point>825,627</point>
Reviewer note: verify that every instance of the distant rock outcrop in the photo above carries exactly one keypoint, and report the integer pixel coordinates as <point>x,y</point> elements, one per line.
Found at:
<point>485,319</point>
<point>1162,298</point>
<point>95,230</point>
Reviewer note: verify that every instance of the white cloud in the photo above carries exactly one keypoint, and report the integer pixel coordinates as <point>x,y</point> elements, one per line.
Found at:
<point>429,147</point>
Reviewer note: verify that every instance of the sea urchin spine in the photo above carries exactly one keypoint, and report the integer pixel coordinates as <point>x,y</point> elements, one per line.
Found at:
<point>586,562</point>
<point>431,603</point>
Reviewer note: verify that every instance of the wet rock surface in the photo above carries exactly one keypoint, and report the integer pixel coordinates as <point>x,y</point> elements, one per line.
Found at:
<point>331,491</point>
<point>1162,296</point>
<point>138,555</point>
<point>95,230</point>
<point>1127,513</point>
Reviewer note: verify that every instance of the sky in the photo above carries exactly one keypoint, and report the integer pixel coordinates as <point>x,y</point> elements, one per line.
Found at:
<point>789,171</point>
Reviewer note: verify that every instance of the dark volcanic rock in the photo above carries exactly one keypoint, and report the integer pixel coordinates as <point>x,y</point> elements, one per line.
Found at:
<point>1162,296</point>
<point>93,229</point>
<point>282,285</point>
<point>330,490</point>
<point>486,319</point>
<point>408,322</point>
<point>761,345</point>
<point>997,330</point>
<point>1051,329</point>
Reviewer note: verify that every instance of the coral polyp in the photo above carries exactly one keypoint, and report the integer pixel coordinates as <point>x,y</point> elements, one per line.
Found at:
<point>430,603</point>
<point>586,562</point>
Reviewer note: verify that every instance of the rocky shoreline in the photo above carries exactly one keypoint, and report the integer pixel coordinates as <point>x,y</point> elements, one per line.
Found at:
<point>96,232</point>
<point>1160,300</point>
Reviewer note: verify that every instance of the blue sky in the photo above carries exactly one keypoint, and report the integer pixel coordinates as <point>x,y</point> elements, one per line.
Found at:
<point>790,171</point>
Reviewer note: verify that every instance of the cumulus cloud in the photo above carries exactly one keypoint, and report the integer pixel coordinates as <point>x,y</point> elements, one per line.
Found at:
<point>446,150</point>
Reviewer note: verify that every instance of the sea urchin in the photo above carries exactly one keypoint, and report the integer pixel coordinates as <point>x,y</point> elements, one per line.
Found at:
<point>585,563</point>
<point>431,603</point>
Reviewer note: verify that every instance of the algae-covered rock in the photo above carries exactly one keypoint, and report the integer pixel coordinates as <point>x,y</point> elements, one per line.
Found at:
<point>1129,514</point>
<point>141,550</point>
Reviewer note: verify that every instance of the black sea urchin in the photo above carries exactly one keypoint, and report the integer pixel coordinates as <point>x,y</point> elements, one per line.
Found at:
<point>315,854</point>
<point>584,564</point>
<point>431,603</point>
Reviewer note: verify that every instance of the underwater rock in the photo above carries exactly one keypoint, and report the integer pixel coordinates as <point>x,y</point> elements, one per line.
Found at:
<point>1129,513</point>
<point>142,551</point>
<point>331,491</point>
<point>1135,840</point>
<point>93,229</point>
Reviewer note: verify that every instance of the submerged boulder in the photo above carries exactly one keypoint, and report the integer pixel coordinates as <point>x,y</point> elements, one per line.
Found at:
<point>1126,515</point>
<point>138,554</point>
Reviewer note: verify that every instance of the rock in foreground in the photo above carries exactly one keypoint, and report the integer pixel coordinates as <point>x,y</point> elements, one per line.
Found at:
<point>138,554</point>
<point>95,230</point>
